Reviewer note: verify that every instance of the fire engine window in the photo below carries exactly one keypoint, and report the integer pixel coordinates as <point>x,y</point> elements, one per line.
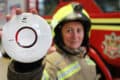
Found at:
<point>109,5</point>
<point>46,7</point>
<point>68,0</point>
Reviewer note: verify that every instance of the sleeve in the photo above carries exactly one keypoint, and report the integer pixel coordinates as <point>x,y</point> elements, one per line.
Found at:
<point>23,71</point>
<point>50,71</point>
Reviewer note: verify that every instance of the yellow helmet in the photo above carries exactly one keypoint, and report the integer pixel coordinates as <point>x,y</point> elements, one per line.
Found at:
<point>70,12</point>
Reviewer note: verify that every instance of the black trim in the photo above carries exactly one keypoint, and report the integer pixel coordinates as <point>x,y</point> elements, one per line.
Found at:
<point>26,46</point>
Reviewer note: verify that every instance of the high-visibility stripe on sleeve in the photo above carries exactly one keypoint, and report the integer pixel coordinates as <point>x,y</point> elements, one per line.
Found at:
<point>45,75</point>
<point>69,71</point>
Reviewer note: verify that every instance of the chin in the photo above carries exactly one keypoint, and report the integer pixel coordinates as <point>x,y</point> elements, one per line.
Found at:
<point>74,47</point>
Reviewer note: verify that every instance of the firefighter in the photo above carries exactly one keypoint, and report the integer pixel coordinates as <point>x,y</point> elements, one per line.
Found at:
<point>71,25</point>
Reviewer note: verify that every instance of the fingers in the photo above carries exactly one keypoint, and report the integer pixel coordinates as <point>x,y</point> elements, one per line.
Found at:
<point>33,11</point>
<point>18,11</point>
<point>8,17</point>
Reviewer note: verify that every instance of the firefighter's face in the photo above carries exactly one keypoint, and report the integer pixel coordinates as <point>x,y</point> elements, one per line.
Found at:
<point>73,34</point>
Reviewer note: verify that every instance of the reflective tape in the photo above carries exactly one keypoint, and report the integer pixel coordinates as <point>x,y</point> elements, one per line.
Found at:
<point>89,61</point>
<point>45,75</point>
<point>69,71</point>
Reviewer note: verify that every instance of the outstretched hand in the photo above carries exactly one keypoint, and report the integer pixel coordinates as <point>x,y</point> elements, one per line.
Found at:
<point>18,11</point>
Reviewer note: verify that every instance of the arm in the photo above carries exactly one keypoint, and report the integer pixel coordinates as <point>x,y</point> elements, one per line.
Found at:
<point>50,71</point>
<point>23,71</point>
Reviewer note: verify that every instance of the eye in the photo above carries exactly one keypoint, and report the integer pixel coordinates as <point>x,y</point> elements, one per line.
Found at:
<point>78,30</point>
<point>68,30</point>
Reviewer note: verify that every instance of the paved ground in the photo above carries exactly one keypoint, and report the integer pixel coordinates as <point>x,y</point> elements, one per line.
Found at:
<point>3,68</point>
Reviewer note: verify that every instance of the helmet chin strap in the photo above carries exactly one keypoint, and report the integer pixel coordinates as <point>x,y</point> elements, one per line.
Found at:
<point>80,51</point>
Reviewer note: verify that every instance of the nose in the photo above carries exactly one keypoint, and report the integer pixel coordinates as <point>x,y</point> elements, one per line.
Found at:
<point>75,34</point>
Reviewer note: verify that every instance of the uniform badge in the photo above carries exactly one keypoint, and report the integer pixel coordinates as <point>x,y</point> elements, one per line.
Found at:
<point>112,45</point>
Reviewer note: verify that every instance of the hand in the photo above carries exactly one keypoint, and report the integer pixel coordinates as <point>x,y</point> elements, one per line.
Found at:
<point>19,66</point>
<point>18,12</point>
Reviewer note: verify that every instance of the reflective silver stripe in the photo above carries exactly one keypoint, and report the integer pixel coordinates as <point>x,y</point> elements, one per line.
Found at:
<point>45,75</point>
<point>90,62</point>
<point>69,71</point>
